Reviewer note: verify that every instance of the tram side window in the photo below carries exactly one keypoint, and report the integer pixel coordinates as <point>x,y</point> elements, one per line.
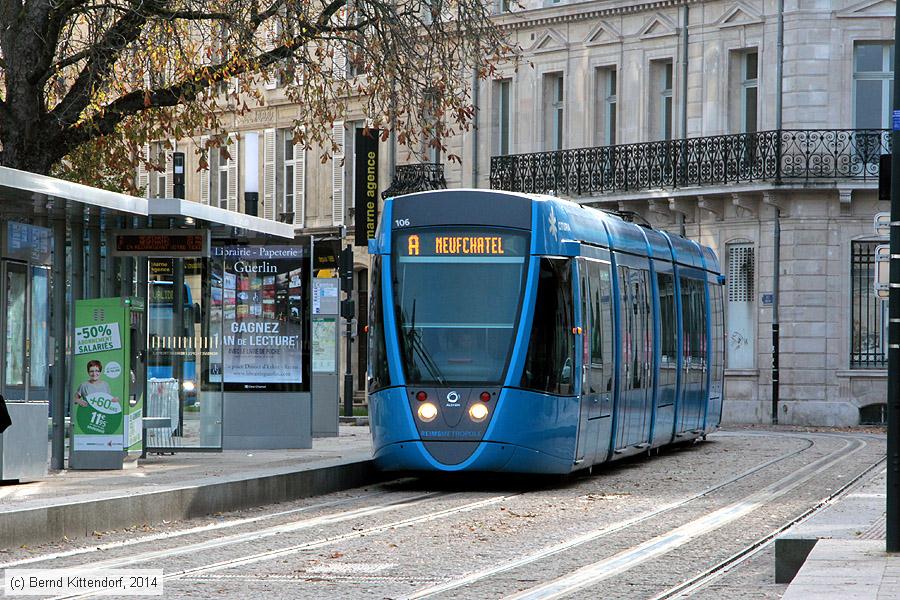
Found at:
<point>379,375</point>
<point>601,312</point>
<point>550,362</point>
<point>668,343</point>
<point>693,307</point>
<point>597,331</point>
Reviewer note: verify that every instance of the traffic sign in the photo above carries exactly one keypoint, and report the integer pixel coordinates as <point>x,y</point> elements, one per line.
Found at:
<point>882,270</point>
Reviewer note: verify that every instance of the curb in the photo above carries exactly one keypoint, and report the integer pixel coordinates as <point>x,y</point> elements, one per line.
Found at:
<point>81,518</point>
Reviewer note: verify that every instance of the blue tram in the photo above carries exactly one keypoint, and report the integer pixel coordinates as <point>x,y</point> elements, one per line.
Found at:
<point>523,333</point>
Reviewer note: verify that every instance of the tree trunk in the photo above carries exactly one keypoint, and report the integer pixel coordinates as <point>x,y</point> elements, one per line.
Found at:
<point>30,140</point>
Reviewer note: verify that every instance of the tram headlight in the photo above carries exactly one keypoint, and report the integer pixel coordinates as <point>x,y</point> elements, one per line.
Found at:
<point>189,386</point>
<point>427,412</point>
<point>478,412</point>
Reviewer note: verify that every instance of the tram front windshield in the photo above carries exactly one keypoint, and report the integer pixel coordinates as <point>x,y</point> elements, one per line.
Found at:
<point>457,294</point>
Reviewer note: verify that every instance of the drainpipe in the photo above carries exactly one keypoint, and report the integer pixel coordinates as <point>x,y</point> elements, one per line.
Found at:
<point>476,88</point>
<point>779,64</point>
<point>684,69</point>
<point>392,139</point>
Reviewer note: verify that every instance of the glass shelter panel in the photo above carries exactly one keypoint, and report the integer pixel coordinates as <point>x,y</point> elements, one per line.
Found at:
<point>234,322</point>
<point>16,319</point>
<point>178,344</point>
<point>40,330</point>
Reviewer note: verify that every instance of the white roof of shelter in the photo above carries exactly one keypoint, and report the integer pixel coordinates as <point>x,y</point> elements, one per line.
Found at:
<point>32,189</point>
<point>176,207</point>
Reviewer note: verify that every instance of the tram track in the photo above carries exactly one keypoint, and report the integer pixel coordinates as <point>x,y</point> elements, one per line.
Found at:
<point>171,535</point>
<point>592,574</point>
<point>423,504</point>
<point>304,524</point>
<point>257,535</point>
<point>686,587</point>
<point>601,532</point>
<point>311,545</point>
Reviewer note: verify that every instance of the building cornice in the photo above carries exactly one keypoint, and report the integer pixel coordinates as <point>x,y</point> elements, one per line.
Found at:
<point>552,15</point>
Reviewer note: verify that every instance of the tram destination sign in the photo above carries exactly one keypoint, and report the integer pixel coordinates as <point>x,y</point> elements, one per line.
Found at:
<point>457,242</point>
<point>166,243</point>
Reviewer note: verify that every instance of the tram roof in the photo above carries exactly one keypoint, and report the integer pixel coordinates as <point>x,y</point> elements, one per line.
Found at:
<point>29,194</point>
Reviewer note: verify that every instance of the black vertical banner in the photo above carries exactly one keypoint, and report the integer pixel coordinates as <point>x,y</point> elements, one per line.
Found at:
<point>366,201</point>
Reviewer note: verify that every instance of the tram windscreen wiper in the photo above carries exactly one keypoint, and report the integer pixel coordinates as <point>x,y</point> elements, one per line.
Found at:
<point>414,339</point>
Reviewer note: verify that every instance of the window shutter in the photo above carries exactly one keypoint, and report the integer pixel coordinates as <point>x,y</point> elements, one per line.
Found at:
<point>270,34</point>
<point>299,184</point>
<point>143,177</point>
<point>741,265</point>
<point>233,172</point>
<point>170,170</point>
<point>337,176</point>
<point>204,173</point>
<point>339,59</point>
<point>269,174</point>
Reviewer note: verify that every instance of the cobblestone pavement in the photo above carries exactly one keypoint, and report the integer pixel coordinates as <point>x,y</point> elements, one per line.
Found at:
<point>494,537</point>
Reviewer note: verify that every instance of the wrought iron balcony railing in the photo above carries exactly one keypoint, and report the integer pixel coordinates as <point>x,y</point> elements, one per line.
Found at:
<point>775,156</point>
<point>416,178</point>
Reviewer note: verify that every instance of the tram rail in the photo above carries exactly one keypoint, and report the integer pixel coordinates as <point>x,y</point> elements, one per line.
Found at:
<point>722,502</point>
<point>596,572</point>
<point>686,587</point>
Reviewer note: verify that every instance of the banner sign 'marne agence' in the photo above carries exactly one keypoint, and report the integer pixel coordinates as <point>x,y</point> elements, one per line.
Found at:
<point>366,201</point>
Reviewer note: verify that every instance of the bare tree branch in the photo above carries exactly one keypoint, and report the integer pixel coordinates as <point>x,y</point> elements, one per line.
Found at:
<point>98,66</point>
<point>107,76</point>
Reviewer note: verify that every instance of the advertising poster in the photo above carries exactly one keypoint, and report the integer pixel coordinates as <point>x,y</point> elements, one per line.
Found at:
<point>324,350</point>
<point>29,242</point>
<point>98,383</point>
<point>261,295</point>
<point>325,296</point>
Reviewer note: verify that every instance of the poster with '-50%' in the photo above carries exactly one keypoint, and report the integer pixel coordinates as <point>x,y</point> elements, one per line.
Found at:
<point>98,388</point>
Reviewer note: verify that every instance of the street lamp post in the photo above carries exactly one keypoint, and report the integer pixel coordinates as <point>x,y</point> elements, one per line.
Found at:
<point>893,401</point>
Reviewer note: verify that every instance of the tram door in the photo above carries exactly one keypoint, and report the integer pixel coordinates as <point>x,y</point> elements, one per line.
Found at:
<point>636,391</point>
<point>586,437</point>
<point>597,362</point>
<point>694,352</point>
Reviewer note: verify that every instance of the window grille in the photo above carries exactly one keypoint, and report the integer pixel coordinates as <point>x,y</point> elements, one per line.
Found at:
<point>741,266</point>
<point>867,342</point>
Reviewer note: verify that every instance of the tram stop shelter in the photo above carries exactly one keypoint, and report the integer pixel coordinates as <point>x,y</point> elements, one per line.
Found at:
<point>58,245</point>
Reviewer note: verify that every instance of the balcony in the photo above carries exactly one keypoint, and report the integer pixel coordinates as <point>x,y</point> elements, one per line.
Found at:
<point>416,178</point>
<point>781,156</point>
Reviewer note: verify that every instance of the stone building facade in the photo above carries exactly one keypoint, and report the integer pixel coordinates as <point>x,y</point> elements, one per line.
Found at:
<point>617,80</point>
<point>670,110</point>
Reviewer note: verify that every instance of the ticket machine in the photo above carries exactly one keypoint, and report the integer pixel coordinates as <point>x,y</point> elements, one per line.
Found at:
<point>108,381</point>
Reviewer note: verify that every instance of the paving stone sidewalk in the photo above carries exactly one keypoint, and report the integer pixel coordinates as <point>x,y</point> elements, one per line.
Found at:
<point>183,485</point>
<point>849,562</point>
